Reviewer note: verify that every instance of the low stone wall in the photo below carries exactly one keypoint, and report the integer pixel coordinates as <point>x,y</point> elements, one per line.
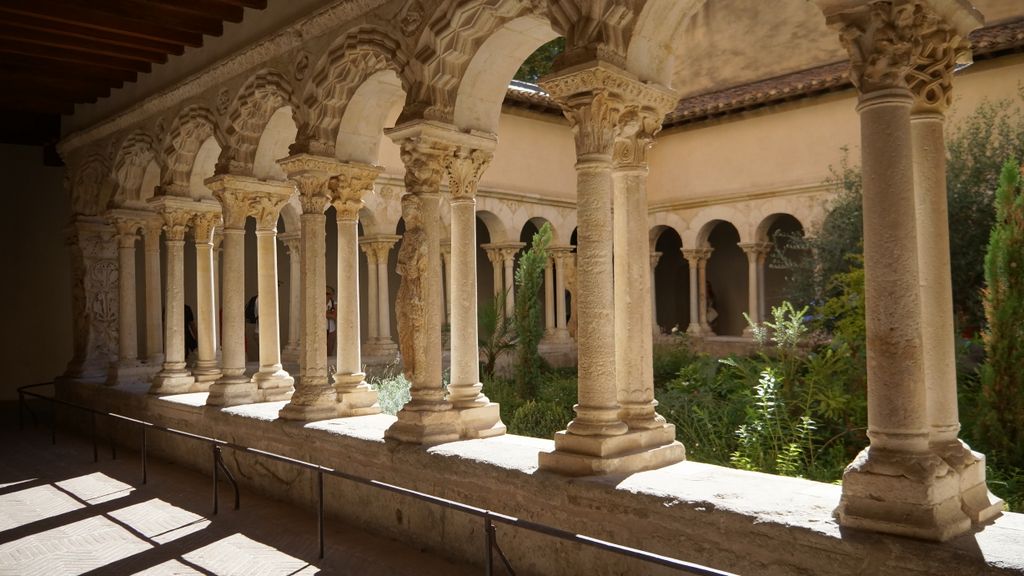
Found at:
<point>744,522</point>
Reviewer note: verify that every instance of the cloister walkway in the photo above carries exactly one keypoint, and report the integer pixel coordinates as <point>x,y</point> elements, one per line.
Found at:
<point>61,513</point>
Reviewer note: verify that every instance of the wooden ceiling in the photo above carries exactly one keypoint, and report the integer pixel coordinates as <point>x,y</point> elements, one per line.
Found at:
<point>58,53</point>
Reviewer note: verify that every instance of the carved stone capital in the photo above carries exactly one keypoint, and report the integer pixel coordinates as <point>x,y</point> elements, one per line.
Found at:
<point>312,175</point>
<point>939,48</point>
<point>427,147</point>
<point>176,223</point>
<point>696,255</point>
<point>244,196</point>
<point>378,248</point>
<point>127,223</point>
<point>349,186</point>
<point>424,164</point>
<point>203,226</point>
<point>639,124</point>
<point>292,243</point>
<point>465,167</point>
<point>879,38</point>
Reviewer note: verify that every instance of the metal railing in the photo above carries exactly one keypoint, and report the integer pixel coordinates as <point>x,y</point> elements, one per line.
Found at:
<point>489,517</point>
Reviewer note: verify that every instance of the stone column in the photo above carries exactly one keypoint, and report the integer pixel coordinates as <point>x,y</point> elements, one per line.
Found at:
<point>596,441</point>
<point>174,377</point>
<point>446,281</point>
<point>702,292</point>
<point>549,298</point>
<point>696,259</point>
<point>897,484</point>
<point>233,387</point>
<point>218,299</point>
<point>655,327</point>
<point>384,299</point>
<point>372,335</point>
<point>292,241</point>
<point>427,418</point>
<point>126,368</point>
<point>931,83</point>
<point>314,397</point>
<point>379,346</point>
<point>756,253</point>
<point>94,296</point>
<point>561,254</point>
<point>266,198</point>
<point>154,299</point>
<point>478,416</point>
<point>355,396</point>
<point>762,257</point>
<point>508,258</point>
<point>497,265</point>
<point>206,369</point>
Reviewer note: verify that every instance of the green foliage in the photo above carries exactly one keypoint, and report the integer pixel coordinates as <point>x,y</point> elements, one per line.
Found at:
<point>1001,425</point>
<point>669,358</point>
<point>842,314</point>
<point>393,390</point>
<point>540,419</point>
<point>495,333</point>
<point>771,440</point>
<point>539,63</point>
<point>528,322</point>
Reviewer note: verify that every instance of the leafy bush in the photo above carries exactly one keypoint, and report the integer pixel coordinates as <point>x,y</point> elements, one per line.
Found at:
<point>540,419</point>
<point>495,333</point>
<point>529,326</point>
<point>393,390</point>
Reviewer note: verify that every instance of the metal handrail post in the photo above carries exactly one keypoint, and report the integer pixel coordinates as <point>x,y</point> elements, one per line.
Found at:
<point>215,502</point>
<point>143,453</point>
<point>320,509</point>
<point>95,443</point>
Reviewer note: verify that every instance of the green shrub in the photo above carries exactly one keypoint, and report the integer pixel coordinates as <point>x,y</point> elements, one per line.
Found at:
<point>529,325</point>
<point>539,419</point>
<point>393,390</point>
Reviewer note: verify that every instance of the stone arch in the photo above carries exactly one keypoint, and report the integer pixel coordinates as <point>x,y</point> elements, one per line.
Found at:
<point>257,100</point>
<point>496,228</point>
<point>447,46</point>
<point>290,214</point>
<point>782,230</point>
<point>359,55</point>
<point>727,281</point>
<point>204,166</point>
<point>670,275</point>
<point>277,136</point>
<point>92,186</point>
<point>663,221</point>
<point>761,234</point>
<point>375,101</point>
<point>651,51</point>
<point>190,130</point>
<point>134,156</point>
<point>696,234</point>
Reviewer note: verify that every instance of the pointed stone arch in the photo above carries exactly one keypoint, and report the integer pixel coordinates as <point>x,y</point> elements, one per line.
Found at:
<point>362,53</point>
<point>259,98</point>
<point>193,126</point>
<point>133,157</point>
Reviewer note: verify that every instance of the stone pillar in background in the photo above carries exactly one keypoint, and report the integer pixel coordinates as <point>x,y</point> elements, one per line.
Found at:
<point>379,346</point>
<point>314,397</point>
<point>655,327</point>
<point>233,387</point>
<point>446,282</point>
<point>561,255</point>
<point>549,298</point>
<point>897,484</point>
<point>207,369</point>
<point>702,292</point>
<point>126,368</point>
<point>218,297</point>
<point>478,416</point>
<point>762,258</point>
<point>428,417</point>
<point>292,241</point>
<point>696,259</point>
<point>355,396</point>
<point>756,253</point>
<point>372,316</point>
<point>508,258</point>
<point>154,297</point>
<point>174,377</point>
<point>931,82</point>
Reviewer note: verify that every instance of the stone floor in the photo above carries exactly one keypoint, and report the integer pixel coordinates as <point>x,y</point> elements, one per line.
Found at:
<point>61,513</point>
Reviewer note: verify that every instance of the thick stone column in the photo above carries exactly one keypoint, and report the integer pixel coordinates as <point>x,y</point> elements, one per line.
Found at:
<point>596,441</point>
<point>634,371</point>
<point>233,387</point>
<point>478,416</point>
<point>355,396</point>
<point>292,241</point>
<point>127,366</point>
<point>696,259</point>
<point>174,377</point>
<point>931,83</point>
<point>756,253</point>
<point>94,293</point>
<point>428,417</point>
<point>314,397</point>
<point>897,484</point>
<point>207,369</point>
<point>655,327</point>
<point>154,298</point>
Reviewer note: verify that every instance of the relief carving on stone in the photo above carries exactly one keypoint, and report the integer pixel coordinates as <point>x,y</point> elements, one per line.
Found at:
<point>410,308</point>
<point>130,166</point>
<point>879,38</point>
<point>203,226</point>
<point>349,187</point>
<point>464,168</point>
<point>424,165</point>
<point>176,223</point>
<point>937,51</point>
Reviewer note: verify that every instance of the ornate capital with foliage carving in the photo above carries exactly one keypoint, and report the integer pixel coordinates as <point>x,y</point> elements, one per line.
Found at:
<point>696,255</point>
<point>879,37</point>
<point>176,223</point>
<point>349,186</point>
<point>424,161</point>
<point>203,226</point>
<point>937,51</point>
<point>311,175</point>
<point>465,167</point>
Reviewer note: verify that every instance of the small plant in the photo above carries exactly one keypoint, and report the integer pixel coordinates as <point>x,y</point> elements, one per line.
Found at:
<point>770,441</point>
<point>529,328</point>
<point>496,334</point>
<point>393,390</point>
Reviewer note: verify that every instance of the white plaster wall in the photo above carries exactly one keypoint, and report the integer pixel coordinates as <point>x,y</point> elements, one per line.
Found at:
<point>36,291</point>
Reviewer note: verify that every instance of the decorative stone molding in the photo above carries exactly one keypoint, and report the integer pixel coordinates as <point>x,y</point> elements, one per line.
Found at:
<point>937,51</point>
<point>594,30</point>
<point>188,132</point>
<point>134,155</point>
<point>353,181</point>
<point>203,226</point>
<point>465,166</point>
<point>247,117</point>
<point>312,175</point>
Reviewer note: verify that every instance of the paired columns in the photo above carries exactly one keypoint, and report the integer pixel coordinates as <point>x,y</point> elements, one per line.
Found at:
<point>503,258</point>
<point>564,258</point>
<point>378,249</point>
<point>126,368</point>
<point>697,258</point>
<point>905,482</point>
<point>207,368</point>
<point>292,241</point>
<point>756,253</point>
<point>154,296</point>
<point>595,99</point>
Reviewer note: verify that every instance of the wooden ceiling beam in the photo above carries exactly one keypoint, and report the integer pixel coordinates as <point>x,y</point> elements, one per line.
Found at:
<point>40,105</point>
<point>87,33</point>
<point>65,55</point>
<point>56,40</point>
<point>255,4</point>
<point>138,11</point>
<point>49,66</point>
<point>201,8</point>
<point>84,16</point>
<point>18,79</point>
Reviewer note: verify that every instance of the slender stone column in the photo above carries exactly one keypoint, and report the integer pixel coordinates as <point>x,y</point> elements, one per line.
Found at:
<point>154,306</point>
<point>292,242</point>
<point>549,298</point>
<point>762,257</point>
<point>655,327</point>
<point>596,441</point>
<point>355,396</point>
<point>702,293</point>
<point>561,255</point>
<point>314,397</point>
<point>696,259</point>
<point>384,300</point>
<point>372,316</point>
<point>931,83</point>
<point>174,377</point>
<point>497,265</point>
<point>478,416</point>
<point>379,346</point>
<point>508,257</point>
<point>427,418</point>
<point>897,484</point>
<point>218,300</point>
<point>756,253</point>
<point>206,369</point>
<point>233,387</point>
<point>446,281</point>
<point>127,335</point>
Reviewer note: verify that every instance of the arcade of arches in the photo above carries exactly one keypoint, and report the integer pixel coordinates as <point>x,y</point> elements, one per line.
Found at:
<point>377,148</point>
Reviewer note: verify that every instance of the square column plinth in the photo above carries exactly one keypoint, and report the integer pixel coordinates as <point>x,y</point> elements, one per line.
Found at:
<point>633,451</point>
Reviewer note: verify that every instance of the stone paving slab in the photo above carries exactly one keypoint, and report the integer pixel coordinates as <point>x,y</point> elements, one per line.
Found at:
<point>61,513</point>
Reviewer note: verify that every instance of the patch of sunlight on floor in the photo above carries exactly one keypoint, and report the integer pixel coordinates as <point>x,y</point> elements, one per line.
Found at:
<point>238,554</point>
<point>34,504</point>
<point>15,483</point>
<point>96,488</point>
<point>195,399</point>
<point>75,548</point>
<point>171,567</point>
<point>160,521</point>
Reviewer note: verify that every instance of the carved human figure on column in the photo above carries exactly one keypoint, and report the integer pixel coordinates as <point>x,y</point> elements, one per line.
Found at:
<point>409,306</point>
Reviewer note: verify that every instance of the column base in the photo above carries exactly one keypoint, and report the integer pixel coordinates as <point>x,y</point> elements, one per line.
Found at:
<point>380,352</point>
<point>480,421</point>
<point>559,350</point>
<point>980,505</point>
<point>274,385</point>
<point>290,354</point>
<point>425,427</point>
<point>902,493</point>
<point>172,382</point>
<point>206,373</point>
<point>694,330</point>
<point>232,391</point>
<point>310,403</point>
<point>355,396</point>
<point>634,451</point>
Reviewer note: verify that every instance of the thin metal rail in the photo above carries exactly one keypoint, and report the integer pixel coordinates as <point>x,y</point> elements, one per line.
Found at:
<point>489,517</point>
